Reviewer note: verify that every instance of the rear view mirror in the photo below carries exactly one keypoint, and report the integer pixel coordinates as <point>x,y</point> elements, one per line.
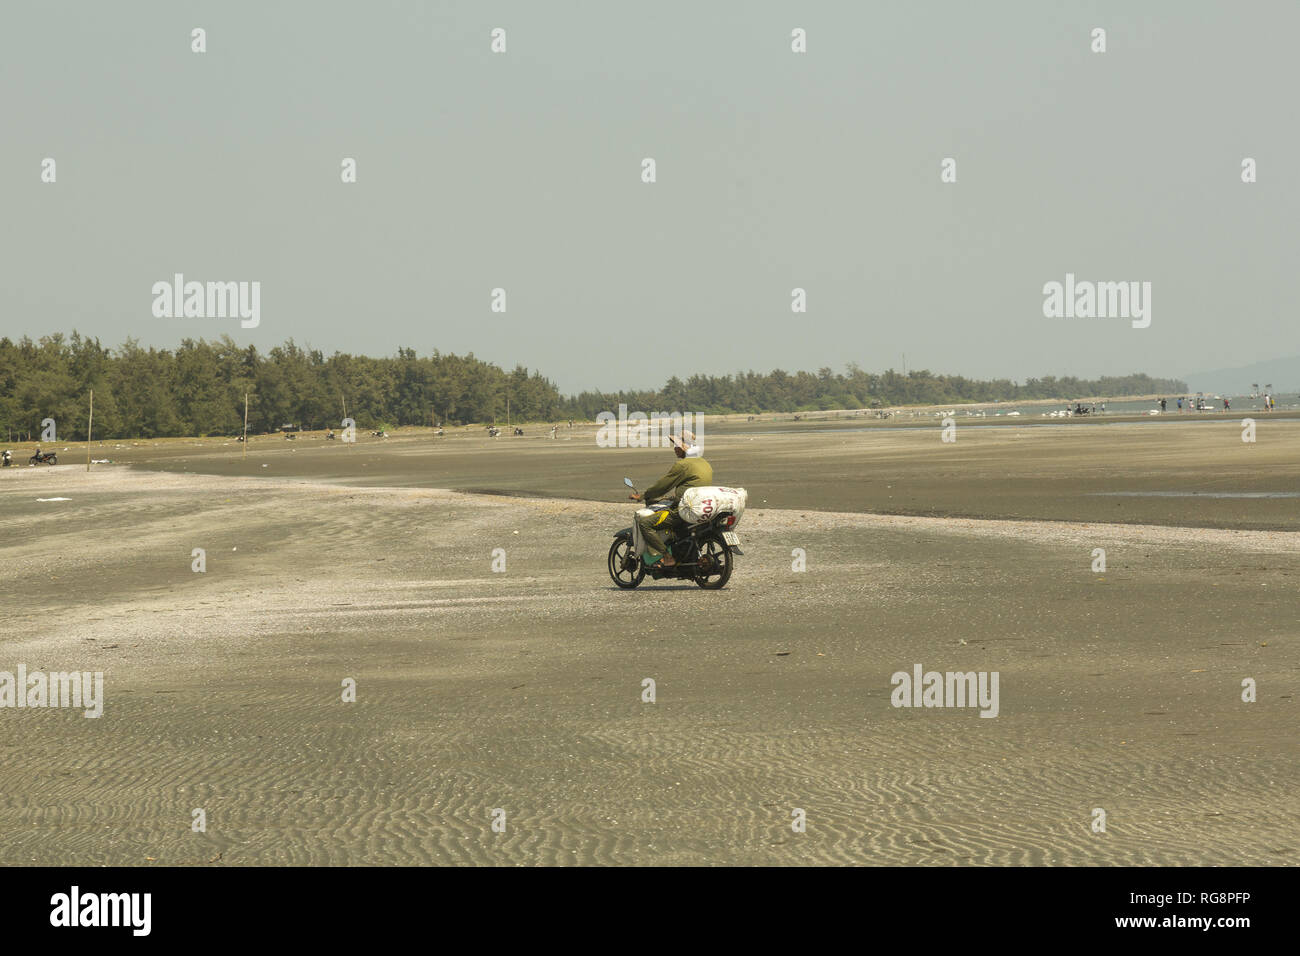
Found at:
<point>628,482</point>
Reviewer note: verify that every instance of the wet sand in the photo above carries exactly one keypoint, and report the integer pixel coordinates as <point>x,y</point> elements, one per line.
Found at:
<point>1072,471</point>
<point>522,690</point>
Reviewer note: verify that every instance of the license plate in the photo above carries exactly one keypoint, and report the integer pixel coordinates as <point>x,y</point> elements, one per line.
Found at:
<point>731,538</point>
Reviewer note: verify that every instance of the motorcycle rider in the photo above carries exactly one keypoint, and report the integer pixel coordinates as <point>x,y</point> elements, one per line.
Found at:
<point>686,473</point>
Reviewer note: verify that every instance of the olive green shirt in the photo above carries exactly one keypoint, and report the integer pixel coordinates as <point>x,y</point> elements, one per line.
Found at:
<point>687,473</point>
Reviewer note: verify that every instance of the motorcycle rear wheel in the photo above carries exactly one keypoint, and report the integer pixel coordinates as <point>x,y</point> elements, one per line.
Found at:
<point>713,566</point>
<point>624,565</point>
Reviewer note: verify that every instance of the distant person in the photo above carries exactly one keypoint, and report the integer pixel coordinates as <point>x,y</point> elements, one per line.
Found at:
<point>1163,405</point>
<point>1226,406</point>
<point>1180,403</point>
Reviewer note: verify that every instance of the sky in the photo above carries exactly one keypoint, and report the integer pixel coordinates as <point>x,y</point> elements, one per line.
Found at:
<point>775,170</point>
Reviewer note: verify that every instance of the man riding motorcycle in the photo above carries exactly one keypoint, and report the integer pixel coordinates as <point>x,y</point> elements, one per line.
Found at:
<point>686,473</point>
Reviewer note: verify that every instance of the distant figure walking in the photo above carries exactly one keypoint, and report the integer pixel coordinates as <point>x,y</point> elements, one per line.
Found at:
<point>1180,403</point>
<point>1226,406</point>
<point>1163,405</point>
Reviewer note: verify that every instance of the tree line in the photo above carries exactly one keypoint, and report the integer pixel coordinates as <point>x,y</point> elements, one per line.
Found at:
<point>198,388</point>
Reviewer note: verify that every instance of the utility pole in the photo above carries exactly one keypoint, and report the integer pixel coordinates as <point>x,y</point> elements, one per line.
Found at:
<point>90,424</point>
<point>245,426</point>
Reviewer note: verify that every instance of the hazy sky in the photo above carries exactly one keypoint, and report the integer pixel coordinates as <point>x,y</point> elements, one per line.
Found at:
<point>775,170</point>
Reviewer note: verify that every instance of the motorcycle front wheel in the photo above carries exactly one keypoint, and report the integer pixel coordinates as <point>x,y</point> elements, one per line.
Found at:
<point>624,565</point>
<point>713,566</point>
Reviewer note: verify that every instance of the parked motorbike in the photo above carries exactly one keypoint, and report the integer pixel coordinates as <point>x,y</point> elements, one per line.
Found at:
<point>43,458</point>
<point>703,552</point>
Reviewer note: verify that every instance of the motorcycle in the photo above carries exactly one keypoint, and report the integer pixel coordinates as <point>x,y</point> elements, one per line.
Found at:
<point>703,552</point>
<point>7,458</point>
<point>43,458</point>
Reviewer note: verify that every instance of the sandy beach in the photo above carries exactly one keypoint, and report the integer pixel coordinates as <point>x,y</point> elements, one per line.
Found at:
<point>522,690</point>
